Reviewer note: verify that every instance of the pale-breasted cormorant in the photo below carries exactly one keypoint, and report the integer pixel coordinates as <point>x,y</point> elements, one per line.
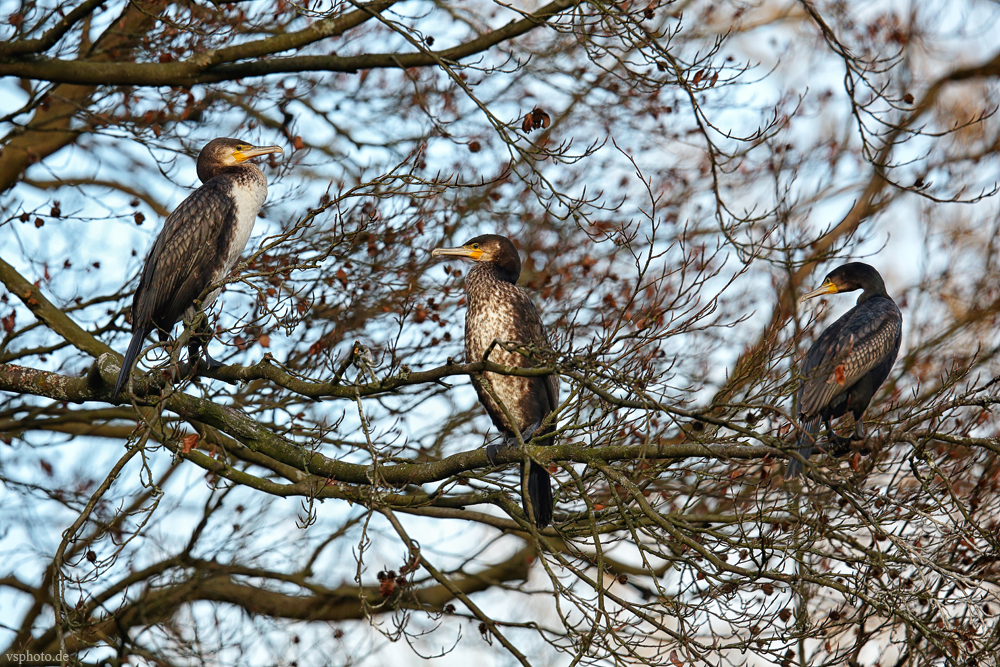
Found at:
<point>850,360</point>
<point>499,310</point>
<point>199,244</point>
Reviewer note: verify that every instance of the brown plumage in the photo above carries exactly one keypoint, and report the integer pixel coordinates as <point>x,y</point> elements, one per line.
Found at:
<point>850,360</point>
<point>199,244</point>
<point>499,310</point>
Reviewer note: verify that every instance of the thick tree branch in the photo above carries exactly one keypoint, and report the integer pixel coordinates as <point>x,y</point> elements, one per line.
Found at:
<point>53,34</point>
<point>53,317</point>
<point>341,604</point>
<point>258,438</point>
<point>52,127</point>
<point>221,65</point>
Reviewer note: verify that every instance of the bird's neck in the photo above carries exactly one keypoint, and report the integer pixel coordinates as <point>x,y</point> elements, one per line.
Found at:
<point>245,170</point>
<point>491,272</point>
<point>873,291</point>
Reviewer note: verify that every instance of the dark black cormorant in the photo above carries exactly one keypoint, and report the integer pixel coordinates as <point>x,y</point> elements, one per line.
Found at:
<point>500,310</point>
<point>850,360</point>
<point>199,244</point>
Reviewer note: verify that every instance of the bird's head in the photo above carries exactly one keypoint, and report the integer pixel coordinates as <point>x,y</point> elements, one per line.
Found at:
<point>490,249</point>
<point>847,278</point>
<point>225,152</point>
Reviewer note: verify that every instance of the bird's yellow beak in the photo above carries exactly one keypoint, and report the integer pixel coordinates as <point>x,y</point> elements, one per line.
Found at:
<point>244,154</point>
<point>826,288</point>
<point>464,251</point>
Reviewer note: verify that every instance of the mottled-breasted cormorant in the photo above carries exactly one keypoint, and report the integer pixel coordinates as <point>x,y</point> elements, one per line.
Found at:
<point>500,310</point>
<point>850,360</point>
<point>199,244</point>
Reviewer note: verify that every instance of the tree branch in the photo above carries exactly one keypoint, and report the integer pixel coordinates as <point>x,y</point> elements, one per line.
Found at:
<point>161,604</point>
<point>54,318</point>
<point>52,127</point>
<point>221,65</point>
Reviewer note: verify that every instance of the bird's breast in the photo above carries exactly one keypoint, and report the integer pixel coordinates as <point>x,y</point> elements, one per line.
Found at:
<point>247,197</point>
<point>496,311</point>
<point>488,320</point>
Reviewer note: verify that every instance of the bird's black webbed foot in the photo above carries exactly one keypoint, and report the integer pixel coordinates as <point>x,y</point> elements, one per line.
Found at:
<point>198,349</point>
<point>836,444</point>
<point>492,451</point>
<point>509,442</point>
<point>839,445</point>
<point>530,431</point>
<point>212,363</point>
<point>838,440</point>
<point>859,430</point>
<point>201,336</point>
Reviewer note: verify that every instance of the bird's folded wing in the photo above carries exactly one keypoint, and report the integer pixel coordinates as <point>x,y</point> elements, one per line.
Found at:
<point>845,352</point>
<point>186,252</point>
<point>531,331</point>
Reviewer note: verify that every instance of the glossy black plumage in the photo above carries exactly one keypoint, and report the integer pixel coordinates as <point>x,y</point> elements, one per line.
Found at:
<point>500,310</point>
<point>199,244</point>
<point>850,360</point>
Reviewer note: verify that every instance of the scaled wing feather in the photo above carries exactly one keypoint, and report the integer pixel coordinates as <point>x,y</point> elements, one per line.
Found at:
<point>856,343</point>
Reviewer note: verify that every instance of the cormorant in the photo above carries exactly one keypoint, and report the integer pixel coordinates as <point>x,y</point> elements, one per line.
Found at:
<point>850,360</point>
<point>199,244</point>
<point>499,310</point>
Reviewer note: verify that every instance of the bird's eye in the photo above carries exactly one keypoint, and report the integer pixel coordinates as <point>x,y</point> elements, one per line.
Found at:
<point>475,246</point>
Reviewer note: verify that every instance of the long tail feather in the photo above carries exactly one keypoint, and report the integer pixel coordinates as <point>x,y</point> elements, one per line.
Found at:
<point>540,491</point>
<point>807,440</point>
<point>134,347</point>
